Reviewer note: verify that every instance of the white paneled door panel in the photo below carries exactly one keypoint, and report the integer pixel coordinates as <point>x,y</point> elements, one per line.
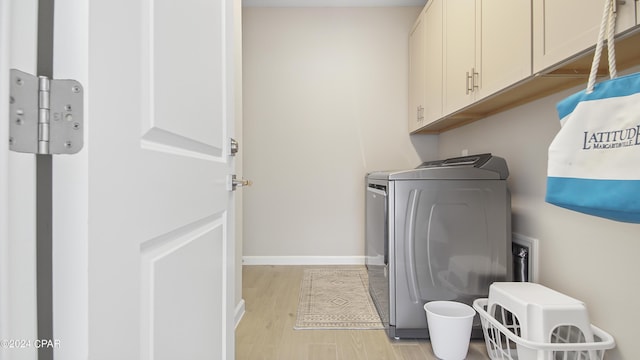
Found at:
<point>185,70</point>
<point>183,271</point>
<point>151,181</point>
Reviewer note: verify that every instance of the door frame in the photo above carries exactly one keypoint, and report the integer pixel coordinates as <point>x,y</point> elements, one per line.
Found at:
<point>4,174</point>
<point>18,306</point>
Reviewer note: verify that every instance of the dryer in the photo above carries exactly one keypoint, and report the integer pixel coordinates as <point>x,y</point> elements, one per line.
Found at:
<point>441,231</point>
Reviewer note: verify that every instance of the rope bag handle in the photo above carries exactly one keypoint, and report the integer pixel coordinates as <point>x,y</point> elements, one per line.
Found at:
<point>607,26</point>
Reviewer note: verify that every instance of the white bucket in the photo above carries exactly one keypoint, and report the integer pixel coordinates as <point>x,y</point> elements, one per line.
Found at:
<point>450,325</point>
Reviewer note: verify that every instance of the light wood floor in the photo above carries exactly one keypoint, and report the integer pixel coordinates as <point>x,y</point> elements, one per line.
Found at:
<point>266,330</point>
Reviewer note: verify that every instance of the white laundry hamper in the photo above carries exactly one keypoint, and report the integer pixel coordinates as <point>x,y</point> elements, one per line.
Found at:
<point>528,321</point>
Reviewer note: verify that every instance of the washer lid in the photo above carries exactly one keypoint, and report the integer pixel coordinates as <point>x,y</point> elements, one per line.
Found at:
<point>480,166</point>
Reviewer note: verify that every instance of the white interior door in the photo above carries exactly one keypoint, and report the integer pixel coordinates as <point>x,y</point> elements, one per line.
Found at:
<point>143,218</point>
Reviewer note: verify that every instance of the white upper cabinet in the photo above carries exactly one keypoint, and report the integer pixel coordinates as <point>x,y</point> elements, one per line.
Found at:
<point>417,69</point>
<point>505,44</point>
<point>563,29</point>
<point>485,56</point>
<point>459,53</point>
<point>433,54</point>
<point>487,47</point>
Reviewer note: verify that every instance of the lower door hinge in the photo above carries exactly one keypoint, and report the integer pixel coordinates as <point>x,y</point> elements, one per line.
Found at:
<point>45,115</point>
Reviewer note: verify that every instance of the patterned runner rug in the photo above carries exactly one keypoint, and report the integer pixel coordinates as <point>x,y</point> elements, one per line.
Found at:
<point>336,299</point>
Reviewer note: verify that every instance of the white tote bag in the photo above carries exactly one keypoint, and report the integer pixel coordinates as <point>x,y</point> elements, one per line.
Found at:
<point>594,161</point>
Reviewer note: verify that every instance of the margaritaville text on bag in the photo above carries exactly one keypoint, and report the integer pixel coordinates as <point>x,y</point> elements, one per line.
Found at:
<point>611,139</point>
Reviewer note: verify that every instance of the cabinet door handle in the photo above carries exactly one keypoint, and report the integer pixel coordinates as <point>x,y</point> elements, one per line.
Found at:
<point>472,83</point>
<point>475,84</point>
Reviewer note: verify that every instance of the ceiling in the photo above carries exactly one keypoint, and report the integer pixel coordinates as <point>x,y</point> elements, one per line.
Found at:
<point>331,3</point>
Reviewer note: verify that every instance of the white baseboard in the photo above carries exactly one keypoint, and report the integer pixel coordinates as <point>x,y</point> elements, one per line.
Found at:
<point>303,260</point>
<point>239,312</point>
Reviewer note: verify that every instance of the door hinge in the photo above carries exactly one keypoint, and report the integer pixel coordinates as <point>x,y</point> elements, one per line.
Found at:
<point>45,115</point>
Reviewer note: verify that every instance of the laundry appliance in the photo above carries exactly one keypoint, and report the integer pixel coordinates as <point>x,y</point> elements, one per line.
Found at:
<point>441,231</point>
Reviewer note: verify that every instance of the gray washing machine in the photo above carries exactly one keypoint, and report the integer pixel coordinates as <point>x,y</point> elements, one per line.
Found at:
<point>441,231</point>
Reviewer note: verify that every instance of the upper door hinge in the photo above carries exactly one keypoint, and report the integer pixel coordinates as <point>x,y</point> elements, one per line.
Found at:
<point>46,115</point>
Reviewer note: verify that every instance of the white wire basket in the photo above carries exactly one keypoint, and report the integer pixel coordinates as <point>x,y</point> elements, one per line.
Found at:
<point>502,337</point>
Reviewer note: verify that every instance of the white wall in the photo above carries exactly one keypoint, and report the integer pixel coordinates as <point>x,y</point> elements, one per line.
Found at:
<point>592,259</point>
<point>325,101</point>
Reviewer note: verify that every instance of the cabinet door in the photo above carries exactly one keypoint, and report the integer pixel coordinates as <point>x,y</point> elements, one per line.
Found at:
<point>433,44</point>
<point>562,29</point>
<point>459,53</point>
<point>504,42</point>
<point>417,75</point>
